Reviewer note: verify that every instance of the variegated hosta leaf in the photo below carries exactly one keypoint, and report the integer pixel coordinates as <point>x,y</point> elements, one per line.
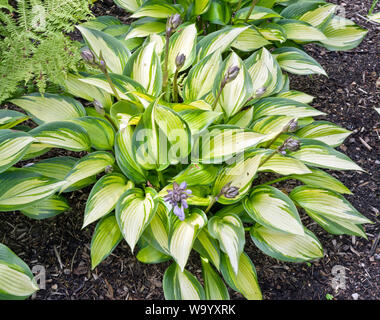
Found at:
<point>16,279</point>
<point>129,5</point>
<point>297,61</point>
<point>161,138</point>
<point>287,247</point>
<point>19,189</point>
<point>249,40</point>
<point>273,32</point>
<point>297,96</point>
<point>201,6</point>
<point>199,120</point>
<point>229,231</point>
<point>342,34</point>
<point>125,156</point>
<point>245,281</point>
<point>57,168</point>
<point>183,235</point>
<point>273,209</point>
<point>62,134</point>
<point>182,42</point>
<point>215,289</point>
<point>13,146</point>
<point>208,247</point>
<point>235,93</point>
<point>265,73</point>
<point>122,112</point>
<point>149,254</point>
<point>46,208</point>
<point>134,211</point>
<point>201,77</point>
<point>221,143</point>
<point>284,165</point>
<point>86,91</point>
<point>301,31</point>
<point>157,232</point>
<point>105,239</point>
<point>326,203</point>
<point>155,9</point>
<point>321,179</point>
<point>218,13</point>
<point>114,52</point>
<point>145,27</point>
<point>102,22</point>
<point>375,17</point>
<point>243,118</point>
<point>35,150</point>
<point>144,66</point>
<point>271,124</point>
<point>121,83</point>
<point>286,107</point>
<point>88,166</point>
<point>324,131</point>
<point>258,13</point>
<point>319,154</point>
<point>197,175</point>
<point>181,285</point>
<point>11,118</point>
<point>100,131</point>
<point>219,40</point>
<point>239,174</point>
<point>104,196</point>
<point>50,107</point>
<point>200,195</point>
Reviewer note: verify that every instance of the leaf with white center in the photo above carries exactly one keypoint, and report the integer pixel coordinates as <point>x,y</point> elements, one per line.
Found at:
<point>375,17</point>
<point>181,285</point>
<point>301,31</point>
<point>236,92</point>
<point>35,150</point>
<point>208,247</point>
<point>221,143</point>
<point>19,189</point>
<point>88,166</point>
<point>245,281</point>
<point>104,196</point>
<point>62,134</point>
<point>145,68</point>
<point>284,165</point>
<point>122,112</point>
<point>215,289</point>
<point>284,107</point>
<point>201,77</point>
<point>50,107</point>
<point>197,174</point>
<point>11,118</point>
<point>157,232</point>
<point>258,13</point>
<point>297,96</point>
<point>271,124</point>
<point>199,120</point>
<point>125,156</point>
<point>129,5</point>
<point>46,208</point>
<point>183,235</point>
<point>324,131</point>
<point>318,154</point>
<point>265,73</point>
<point>182,42</point>
<point>287,247</point>
<point>272,208</point>
<point>273,32</point>
<point>201,6</point>
<point>13,146</point>
<point>321,179</point>
<point>145,27</point>
<point>229,231</point>
<point>105,239</point>
<point>219,40</point>
<point>242,119</point>
<point>100,131</point>
<point>297,61</point>
<point>342,34</point>
<point>113,51</point>
<point>134,212</point>
<point>149,255</point>
<point>240,175</point>
<point>155,9</point>
<point>327,204</point>
<point>250,40</point>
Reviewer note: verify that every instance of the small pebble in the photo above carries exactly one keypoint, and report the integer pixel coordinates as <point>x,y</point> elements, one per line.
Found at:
<point>377,256</point>
<point>66,271</point>
<point>355,296</point>
<point>54,287</point>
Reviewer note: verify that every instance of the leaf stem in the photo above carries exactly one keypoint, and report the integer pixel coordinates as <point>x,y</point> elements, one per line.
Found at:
<point>254,2</point>
<point>374,3</point>
<point>276,180</point>
<point>218,96</point>
<point>175,86</point>
<point>165,77</point>
<point>103,68</point>
<point>213,200</point>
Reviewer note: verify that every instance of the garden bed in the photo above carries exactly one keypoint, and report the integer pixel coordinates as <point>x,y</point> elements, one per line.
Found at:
<point>348,97</point>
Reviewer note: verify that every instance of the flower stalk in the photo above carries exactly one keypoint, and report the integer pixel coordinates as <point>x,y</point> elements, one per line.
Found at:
<point>254,2</point>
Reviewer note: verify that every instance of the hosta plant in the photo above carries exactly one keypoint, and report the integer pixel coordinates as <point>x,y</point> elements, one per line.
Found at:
<point>185,143</point>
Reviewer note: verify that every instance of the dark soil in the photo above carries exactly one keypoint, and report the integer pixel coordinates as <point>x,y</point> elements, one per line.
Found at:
<point>348,97</point>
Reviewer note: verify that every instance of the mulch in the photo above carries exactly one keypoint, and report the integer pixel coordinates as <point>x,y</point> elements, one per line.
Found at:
<point>348,97</point>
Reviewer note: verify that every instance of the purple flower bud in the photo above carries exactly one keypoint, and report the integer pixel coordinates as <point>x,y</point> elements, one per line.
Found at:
<point>173,22</point>
<point>293,125</point>
<point>87,55</point>
<point>230,75</point>
<point>229,191</point>
<point>292,144</point>
<point>180,60</point>
<point>260,92</point>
